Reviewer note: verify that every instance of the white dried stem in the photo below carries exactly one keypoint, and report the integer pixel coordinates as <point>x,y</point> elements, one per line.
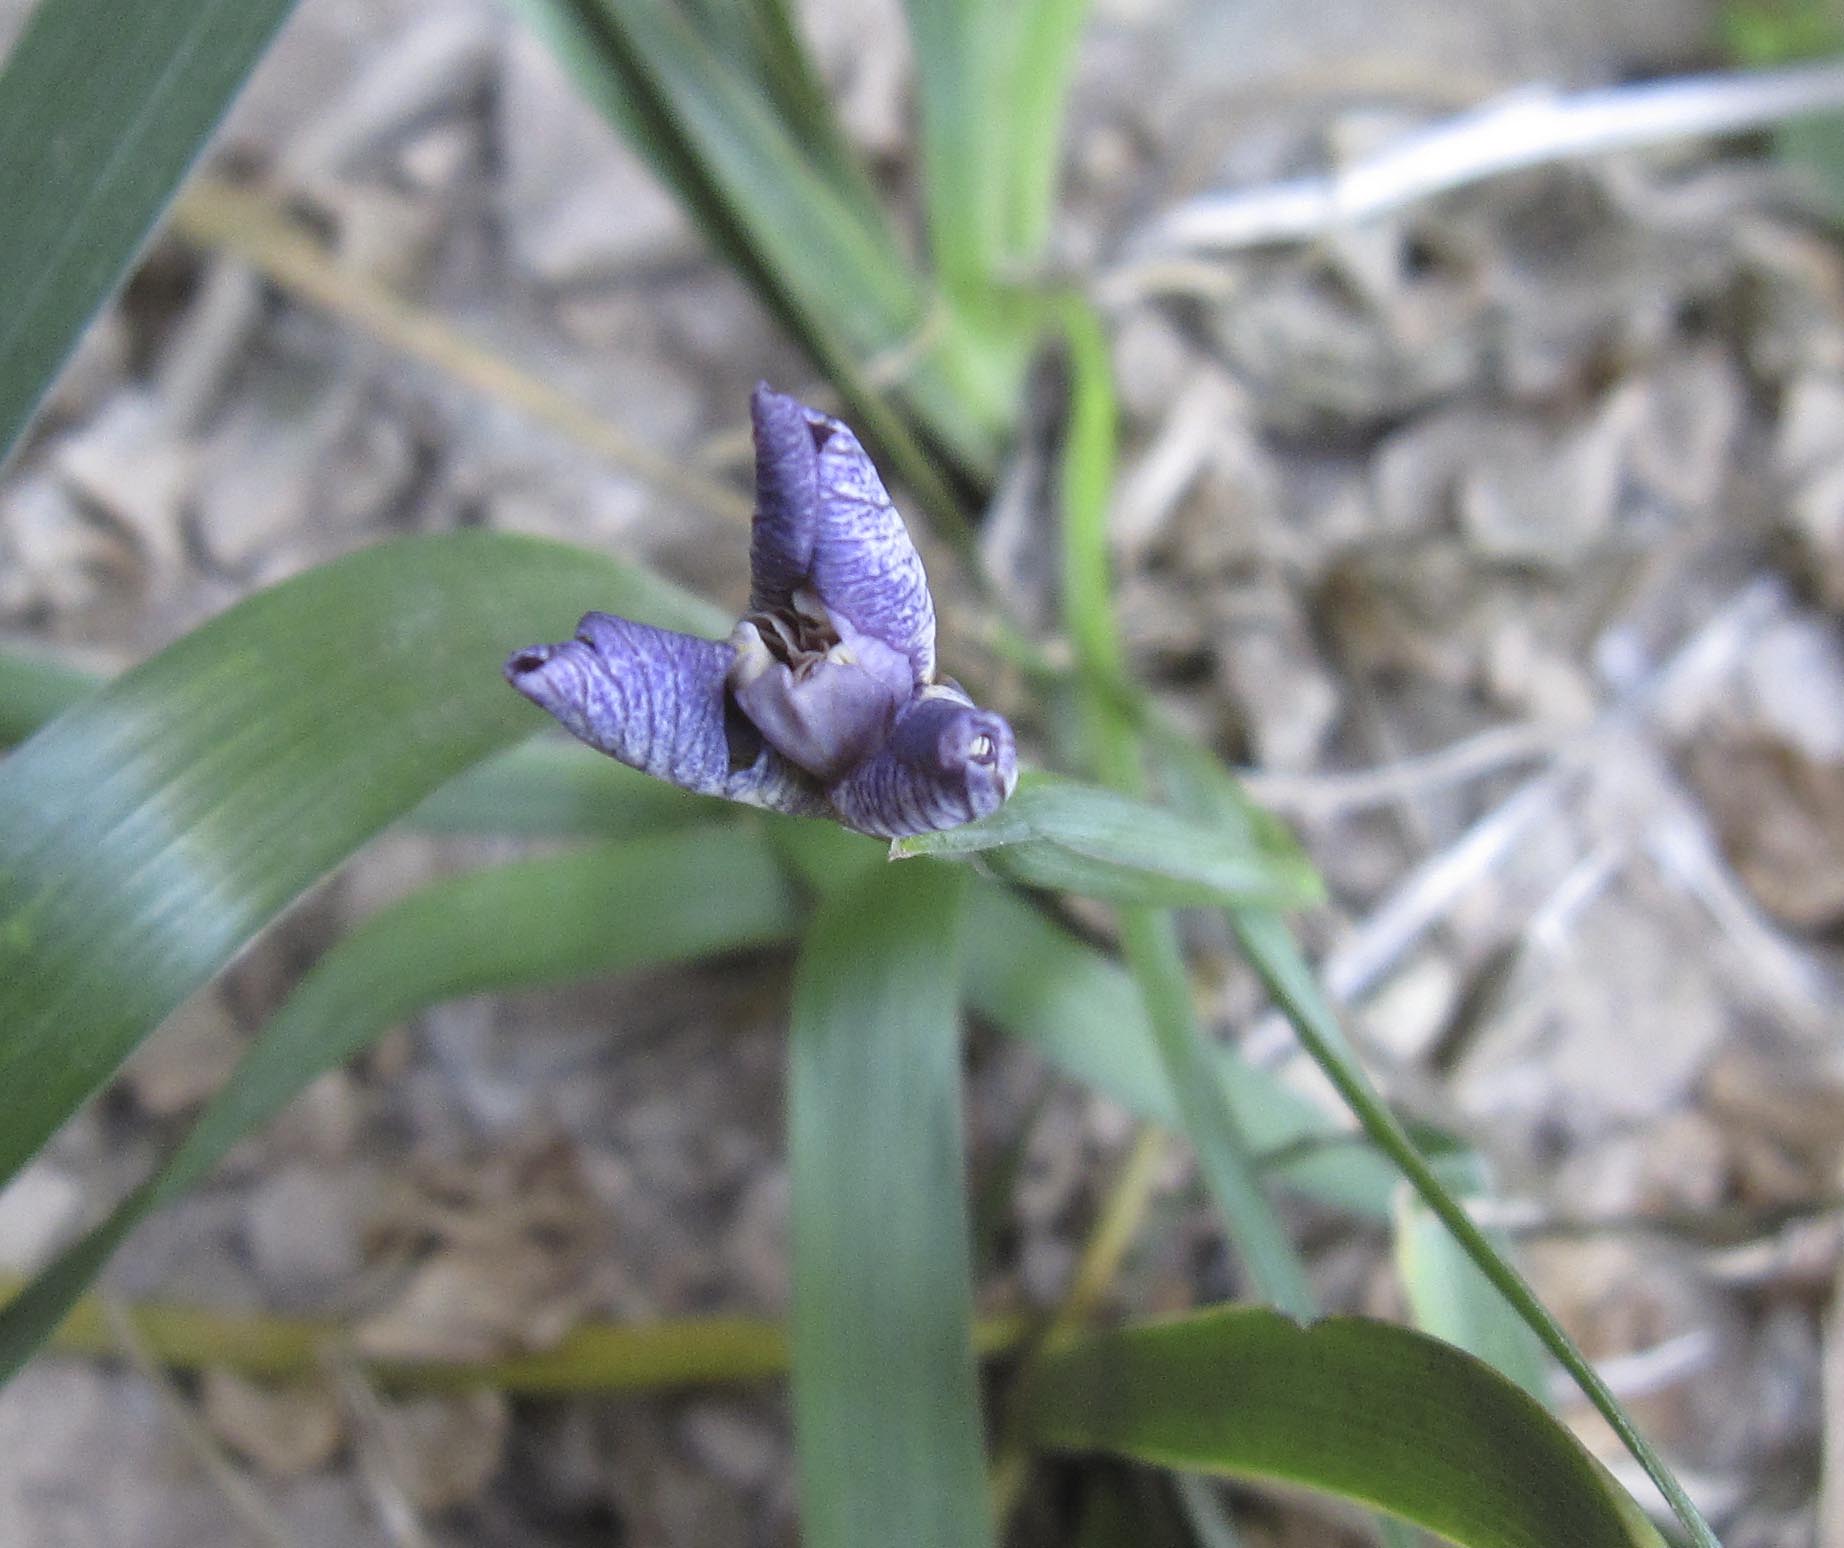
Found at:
<point>1533,126</point>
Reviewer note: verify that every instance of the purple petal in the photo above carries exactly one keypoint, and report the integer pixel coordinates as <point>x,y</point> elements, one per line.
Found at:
<point>823,712</point>
<point>786,523</point>
<point>656,701</point>
<point>824,519</point>
<point>945,763</point>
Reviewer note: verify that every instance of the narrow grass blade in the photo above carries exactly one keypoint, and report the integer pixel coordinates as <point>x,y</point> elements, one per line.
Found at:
<point>1271,950</point>
<point>1223,1152</point>
<point>1274,955</point>
<point>1451,1299</point>
<point>960,69</point>
<point>829,267</point>
<point>149,831</point>
<point>1366,1410</point>
<point>669,898</point>
<point>1150,939</point>
<point>762,37</point>
<point>103,107</point>
<point>1034,980</point>
<point>1070,837</point>
<point>1151,942</point>
<point>1043,58</point>
<point>886,1402</point>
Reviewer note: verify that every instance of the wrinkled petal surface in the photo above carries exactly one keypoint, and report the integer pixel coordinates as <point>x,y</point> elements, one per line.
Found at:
<point>656,701</point>
<point>824,521</point>
<point>826,712</point>
<point>823,702</point>
<point>946,762</point>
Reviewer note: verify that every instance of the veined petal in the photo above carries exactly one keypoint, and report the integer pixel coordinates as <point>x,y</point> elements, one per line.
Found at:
<point>656,701</point>
<point>946,762</point>
<point>824,520</point>
<point>787,515</point>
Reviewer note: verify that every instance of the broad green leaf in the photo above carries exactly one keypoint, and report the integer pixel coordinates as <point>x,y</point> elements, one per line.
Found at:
<point>148,832</point>
<point>33,688</point>
<point>550,787</point>
<point>103,107</point>
<point>886,1399</point>
<point>673,897</point>
<point>1373,1412</point>
<point>1284,971</point>
<point>1070,837</point>
<point>1034,980</point>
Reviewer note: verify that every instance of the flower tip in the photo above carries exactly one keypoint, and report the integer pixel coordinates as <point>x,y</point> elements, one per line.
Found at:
<point>548,675</point>
<point>783,423</point>
<point>522,663</point>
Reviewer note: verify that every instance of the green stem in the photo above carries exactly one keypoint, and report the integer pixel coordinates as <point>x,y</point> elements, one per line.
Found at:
<point>1149,936</point>
<point>597,1357</point>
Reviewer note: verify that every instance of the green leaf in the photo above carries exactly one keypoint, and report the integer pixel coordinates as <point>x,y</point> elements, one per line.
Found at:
<point>103,107</point>
<point>1034,980</point>
<point>1450,1298</point>
<point>1043,59</point>
<point>1070,837</point>
<point>761,36</point>
<point>886,1400</point>
<point>549,787</point>
<point>673,897</point>
<point>1376,1413</point>
<point>553,788</point>
<point>828,265</point>
<point>1276,958</point>
<point>960,66</point>
<point>1224,1153</point>
<point>147,833</point>
<point>33,688</point>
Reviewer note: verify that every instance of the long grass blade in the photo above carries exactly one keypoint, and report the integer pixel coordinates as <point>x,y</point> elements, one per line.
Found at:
<point>150,830</point>
<point>1272,952</point>
<point>1070,837</point>
<point>886,1401</point>
<point>103,107</point>
<point>1043,59</point>
<point>1149,939</point>
<point>960,68</point>
<point>548,787</point>
<point>1085,1014</point>
<point>670,898</point>
<point>829,268</point>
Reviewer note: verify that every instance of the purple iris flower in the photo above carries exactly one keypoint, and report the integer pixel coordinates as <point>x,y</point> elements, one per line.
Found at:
<point>824,701</point>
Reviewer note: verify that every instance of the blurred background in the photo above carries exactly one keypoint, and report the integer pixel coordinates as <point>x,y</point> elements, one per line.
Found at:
<point>1501,539</point>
